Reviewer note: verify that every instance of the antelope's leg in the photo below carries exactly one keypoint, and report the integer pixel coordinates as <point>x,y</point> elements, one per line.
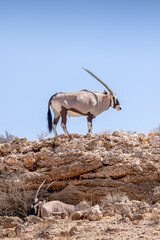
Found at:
<point>89,119</point>
<point>54,124</point>
<point>64,120</point>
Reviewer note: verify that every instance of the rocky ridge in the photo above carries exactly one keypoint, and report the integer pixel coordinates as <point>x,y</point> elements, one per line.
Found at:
<point>87,167</point>
<point>118,175</point>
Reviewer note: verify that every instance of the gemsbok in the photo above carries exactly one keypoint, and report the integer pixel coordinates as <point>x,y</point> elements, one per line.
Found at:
<point>44,209</point>
<point>77,104</point>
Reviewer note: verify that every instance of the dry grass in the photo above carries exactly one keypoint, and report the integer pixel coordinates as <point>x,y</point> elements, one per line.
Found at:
<point>114,197</point>
<point>6,137</point>
<point>15,200</point>
<point>157,129</point>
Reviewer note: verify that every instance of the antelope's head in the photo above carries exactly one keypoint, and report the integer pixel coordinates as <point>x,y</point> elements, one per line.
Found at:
<point>114,100</point>
<point>115,103</point>
<point>37,200</point>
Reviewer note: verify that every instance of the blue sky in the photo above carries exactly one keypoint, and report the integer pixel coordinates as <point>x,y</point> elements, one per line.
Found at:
<point>45,44</point>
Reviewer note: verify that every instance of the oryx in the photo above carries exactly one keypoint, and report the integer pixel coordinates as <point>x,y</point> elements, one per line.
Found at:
<point>44,209</point>
<point>83,103</point>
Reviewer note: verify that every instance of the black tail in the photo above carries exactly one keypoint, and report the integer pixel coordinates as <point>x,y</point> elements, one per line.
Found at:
<point>49,117</point>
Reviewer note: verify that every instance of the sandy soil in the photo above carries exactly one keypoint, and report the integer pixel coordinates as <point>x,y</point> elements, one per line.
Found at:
<point>108,228</point>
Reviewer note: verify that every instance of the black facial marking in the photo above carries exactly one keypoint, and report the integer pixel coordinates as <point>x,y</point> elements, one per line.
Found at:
<point>117,102</point>
<point>32,211</point>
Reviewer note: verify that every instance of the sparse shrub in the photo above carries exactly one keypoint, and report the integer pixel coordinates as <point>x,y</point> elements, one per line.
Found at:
<point>130,132</point>
<point>42,135</point>
<point>114,197</point>
<point>157,129</point>
<point>15,199</point>
<point>116,202</point>
<point>6,137</point>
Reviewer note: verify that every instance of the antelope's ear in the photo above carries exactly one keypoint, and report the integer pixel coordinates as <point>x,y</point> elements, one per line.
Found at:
<point>44,201</point>
<point>105,92</point>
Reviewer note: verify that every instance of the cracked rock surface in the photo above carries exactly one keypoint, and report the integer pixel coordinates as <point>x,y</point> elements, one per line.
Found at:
<point>87,167</point>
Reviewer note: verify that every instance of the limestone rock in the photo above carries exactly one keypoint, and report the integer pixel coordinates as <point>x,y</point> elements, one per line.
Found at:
<point>86,167</point>
<point>136,217</point>
<point>95,213</point>
<point>77,215</point>
<point>82,206</point>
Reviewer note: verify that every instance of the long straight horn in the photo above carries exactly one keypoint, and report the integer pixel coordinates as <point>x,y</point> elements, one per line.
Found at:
<point>42,194</point>
<point>99,80</point>
<point>39,190</point>
<point>50,185</point>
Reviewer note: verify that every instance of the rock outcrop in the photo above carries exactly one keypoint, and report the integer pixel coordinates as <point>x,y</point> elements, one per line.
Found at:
<point>86,167</point>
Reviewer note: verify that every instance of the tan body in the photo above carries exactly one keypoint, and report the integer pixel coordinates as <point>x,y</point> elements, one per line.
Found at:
<point>49,208</point>
<point>80,103</point>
